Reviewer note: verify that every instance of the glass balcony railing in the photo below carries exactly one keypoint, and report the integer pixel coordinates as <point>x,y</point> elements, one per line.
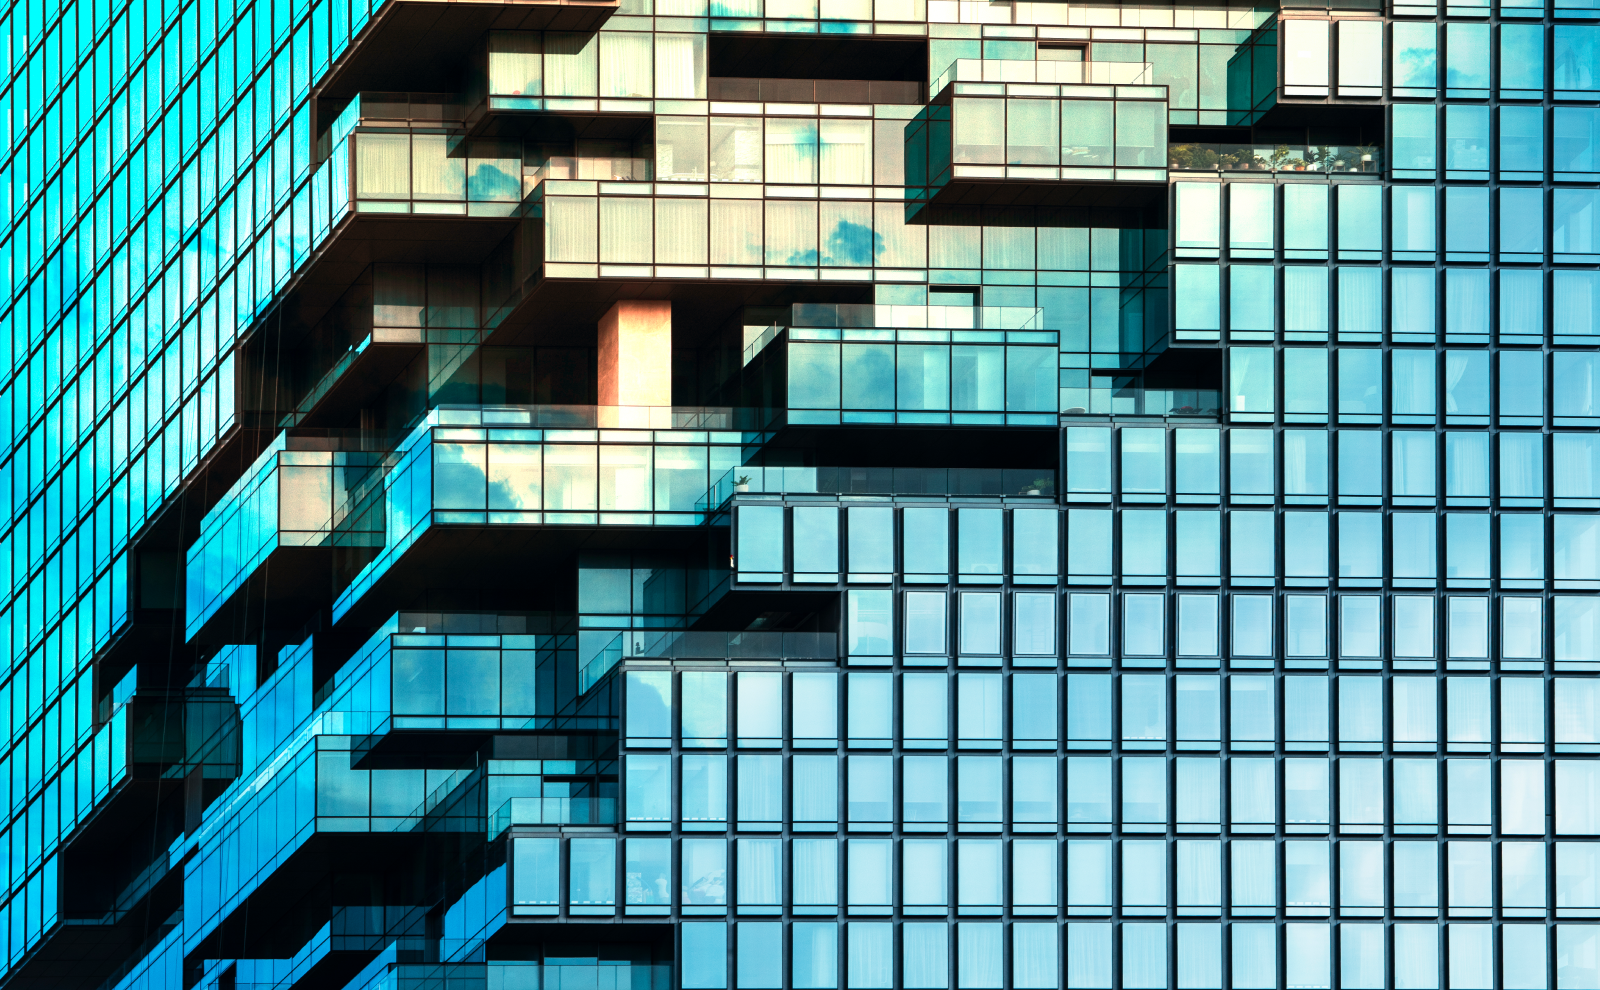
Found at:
<point>403,172</point>
<point>538,465</point>
<point>1208,157</point>
<point>742,645</point>
<point>291,498</point>
<point>601,168</point>
<point>1006,70</point>
<point>572,417</point>
<point>756,480</point>
<point>553,811</point>
<point>1104,396</point>
<point>1043,124</point>
<point>707,645</point>
<point>866,315</point>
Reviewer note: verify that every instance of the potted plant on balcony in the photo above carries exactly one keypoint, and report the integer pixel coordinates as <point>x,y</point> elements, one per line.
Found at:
<point>1038,486</point>
<point>741,484</point>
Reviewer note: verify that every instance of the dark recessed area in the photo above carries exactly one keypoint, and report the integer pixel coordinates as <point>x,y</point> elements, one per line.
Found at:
<point>795,57</point>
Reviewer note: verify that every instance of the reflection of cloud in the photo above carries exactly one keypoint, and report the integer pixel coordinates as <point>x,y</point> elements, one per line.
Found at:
<point>852,244</point>
<point>489,181</point>
<point>803,257</point>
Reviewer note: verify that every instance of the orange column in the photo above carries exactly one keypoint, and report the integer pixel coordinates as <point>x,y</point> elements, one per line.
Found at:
<point>636,354</point>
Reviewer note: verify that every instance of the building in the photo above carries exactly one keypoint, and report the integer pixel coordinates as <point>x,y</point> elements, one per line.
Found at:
<point>815,494</point>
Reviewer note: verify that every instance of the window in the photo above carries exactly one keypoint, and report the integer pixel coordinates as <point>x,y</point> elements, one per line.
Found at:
<point>1415,141</point>
<point>871,546</point>
<point>704,876</point>
<point>536,875</point>
<point>1251,379</point>
<point>1033,711</point>
<point>760,709</point>
<point>1466,144</point>
<point>1088,461</point>
<point>978,703</point>
<point>925,547</point>
<point>592,882</point>
<point>870,633</point>
<point>869,962</point>
<point>1088,710</point>
<point>649,700</point>
<point>1035,956</point>
<point>816,709</point>
<point>1144,793</point>
<point>1522,62</point>
<point>1412,234</point>
<point>1144,464</point>
<point>1088,794</point>
<point>760,875</point>
<point>869,789</point>
<point>980,624</point>
<point>760,792</point>
<point>1033,631</point>
<point>1360,230</point>
<point>1305,228</point>
<point>815,801</point>
<point>925,717</point>
<point>1034,543</point>
<point>978,807</point>
<point>1033,794</point>
<point>926,623</point>
<point>925,954</point>
<point>705,952</point>
<point>1254,873</point>
<point>1361,795</point>
<point>649,791</point>
<point>760,550</point>
<point>815,962</point>
<point>869,869</point>
<point>925,875</point>
<point>1144,620</point>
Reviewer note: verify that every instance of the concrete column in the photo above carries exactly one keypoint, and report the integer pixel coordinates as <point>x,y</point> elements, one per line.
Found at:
<point>636,354</point>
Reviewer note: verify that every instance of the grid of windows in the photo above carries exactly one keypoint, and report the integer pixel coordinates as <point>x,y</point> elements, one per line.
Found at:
<point>1289,682</point>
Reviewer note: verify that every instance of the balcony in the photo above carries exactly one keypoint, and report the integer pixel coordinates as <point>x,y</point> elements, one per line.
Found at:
<point>511,481</point>
<point>930,365</point>
<point>1083,394</point>
<point>640,644</point>
<point>1011,132</point>
<point>119,879</point>
<point>330,819</point>
<point>434,174</point>
<point>550,792</point>
<point>416,695</point>
<point>278,519</point>
<point>428,44</point>
<point>1327,159</point>
<point>753,479</point>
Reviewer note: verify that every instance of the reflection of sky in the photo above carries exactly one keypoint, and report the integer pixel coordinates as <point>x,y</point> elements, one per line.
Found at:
<point>494,179</point>
<point>851,244</point>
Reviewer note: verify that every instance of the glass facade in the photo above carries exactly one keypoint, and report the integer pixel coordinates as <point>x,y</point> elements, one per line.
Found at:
<point>800,495</point>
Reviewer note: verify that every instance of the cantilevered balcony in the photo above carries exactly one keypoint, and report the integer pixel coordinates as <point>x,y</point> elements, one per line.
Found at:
<point>429,44</point>
<point>706,645</point>
<point>473,489</point>
<point>160,755</point>
<point>839,363</point>
<point>1011,132</point>
<point>311,524</point>
<point>243,898</point>
<point>263,555</point>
